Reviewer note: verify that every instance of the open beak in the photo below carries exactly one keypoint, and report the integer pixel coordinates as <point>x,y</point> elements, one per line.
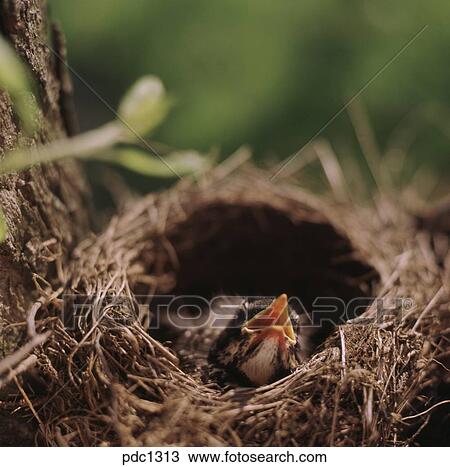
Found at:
<point>274,318</point>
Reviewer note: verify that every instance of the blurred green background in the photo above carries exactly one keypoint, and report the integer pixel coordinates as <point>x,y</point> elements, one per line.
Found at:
<point>270,73</point>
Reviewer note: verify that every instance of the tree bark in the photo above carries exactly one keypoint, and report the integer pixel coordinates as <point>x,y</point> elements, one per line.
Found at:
<point>46,208</point>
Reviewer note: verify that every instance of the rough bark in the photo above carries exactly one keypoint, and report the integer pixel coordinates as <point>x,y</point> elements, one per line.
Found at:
<point>45,207</point>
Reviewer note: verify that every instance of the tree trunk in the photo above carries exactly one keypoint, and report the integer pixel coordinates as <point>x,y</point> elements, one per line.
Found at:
<point>45,207</point>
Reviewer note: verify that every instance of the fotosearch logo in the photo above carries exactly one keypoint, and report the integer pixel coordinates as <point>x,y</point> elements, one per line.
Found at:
<point>195,311</point>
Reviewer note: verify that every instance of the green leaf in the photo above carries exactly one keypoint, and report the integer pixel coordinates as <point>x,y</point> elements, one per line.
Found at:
<point>143,107</point>
<point>82,146</point>
<point>178,163</point>
<point>13,74</point>
<point>15,79</point>
<point>3,227</point>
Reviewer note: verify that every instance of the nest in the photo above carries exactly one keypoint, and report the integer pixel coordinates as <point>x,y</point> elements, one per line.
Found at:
<point>378,377</point>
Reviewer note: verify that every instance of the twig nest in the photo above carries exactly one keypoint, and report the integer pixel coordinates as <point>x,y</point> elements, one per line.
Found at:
<point>118,383</point>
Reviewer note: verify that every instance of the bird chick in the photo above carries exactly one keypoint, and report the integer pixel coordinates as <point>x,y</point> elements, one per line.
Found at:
<point>261,344</point>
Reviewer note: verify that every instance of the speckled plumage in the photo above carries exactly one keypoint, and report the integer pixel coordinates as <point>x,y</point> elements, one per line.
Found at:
<point>253,361</point>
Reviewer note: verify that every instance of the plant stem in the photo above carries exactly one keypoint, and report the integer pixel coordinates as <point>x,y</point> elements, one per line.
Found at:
<point>80,146</point>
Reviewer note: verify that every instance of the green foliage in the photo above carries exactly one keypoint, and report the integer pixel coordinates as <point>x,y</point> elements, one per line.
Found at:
<point>179,163</point>
<point>269,74</point>
<point>15,79</point>
<point>143,107</point>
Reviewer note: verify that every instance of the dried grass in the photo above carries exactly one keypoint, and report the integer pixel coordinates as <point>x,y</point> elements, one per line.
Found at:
<point>111,383</point>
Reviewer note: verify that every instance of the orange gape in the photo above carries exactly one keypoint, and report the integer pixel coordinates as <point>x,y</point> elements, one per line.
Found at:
<point>274,321</point>
<point>270,316</point>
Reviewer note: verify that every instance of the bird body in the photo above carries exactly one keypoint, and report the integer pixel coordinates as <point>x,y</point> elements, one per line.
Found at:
<point>261,344</point>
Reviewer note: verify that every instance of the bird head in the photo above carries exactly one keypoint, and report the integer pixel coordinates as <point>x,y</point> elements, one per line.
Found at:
<point>261,344</point>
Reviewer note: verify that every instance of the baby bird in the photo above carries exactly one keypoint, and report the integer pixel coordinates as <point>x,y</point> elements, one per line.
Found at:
<point>261,344</point>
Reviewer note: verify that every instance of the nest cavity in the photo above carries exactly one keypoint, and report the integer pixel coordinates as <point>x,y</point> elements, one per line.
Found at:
<point>108,380</point>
